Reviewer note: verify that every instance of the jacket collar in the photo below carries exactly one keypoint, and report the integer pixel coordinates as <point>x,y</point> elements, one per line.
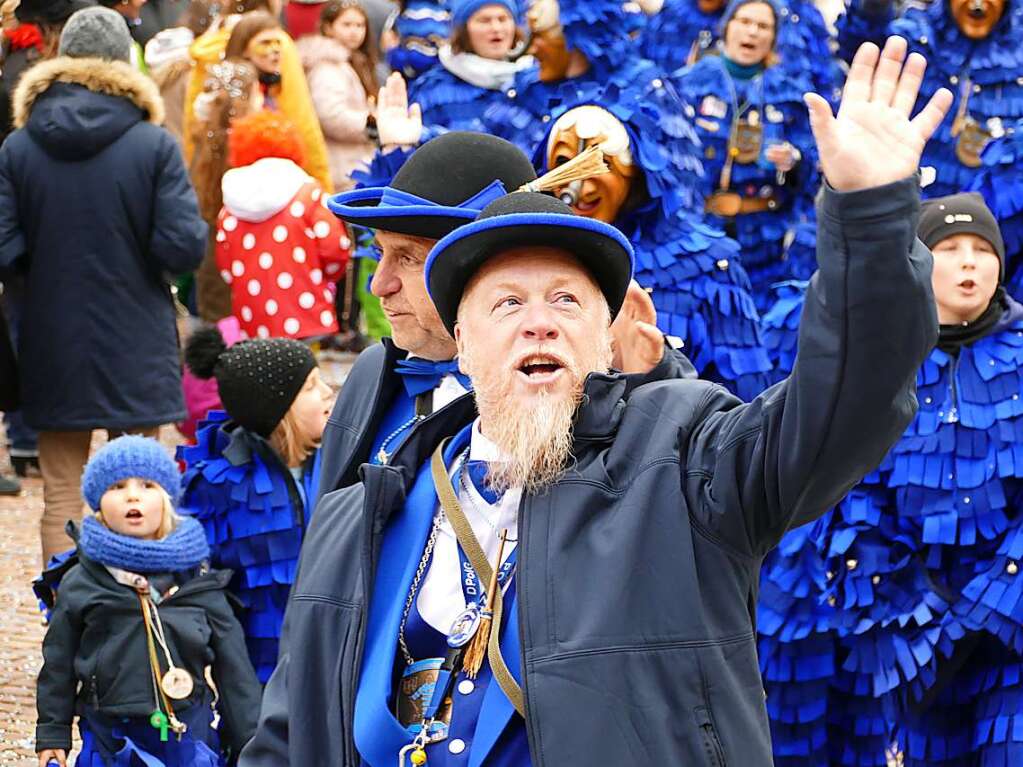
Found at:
<point>114,78</point>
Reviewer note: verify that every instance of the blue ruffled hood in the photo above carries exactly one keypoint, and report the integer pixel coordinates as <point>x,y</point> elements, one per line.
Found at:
<point>184,549</point>
<point>600,30</point>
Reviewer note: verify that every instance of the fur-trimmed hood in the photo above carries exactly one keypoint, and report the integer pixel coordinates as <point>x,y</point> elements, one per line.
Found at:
<point>72,121</point>
<point>318,50</point>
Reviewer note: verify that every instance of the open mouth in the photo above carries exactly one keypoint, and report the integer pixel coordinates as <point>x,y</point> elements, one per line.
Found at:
<point>586,207</point>
<point>967,284</point>
<point>133,514</point>
<point>541,368</point>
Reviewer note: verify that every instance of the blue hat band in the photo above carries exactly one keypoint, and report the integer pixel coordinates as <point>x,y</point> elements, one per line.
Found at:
<point>391,201</point>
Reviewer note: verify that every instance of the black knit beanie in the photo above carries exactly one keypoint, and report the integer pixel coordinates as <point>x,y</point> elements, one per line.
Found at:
<point>258,380</point>
<point>964,213</point>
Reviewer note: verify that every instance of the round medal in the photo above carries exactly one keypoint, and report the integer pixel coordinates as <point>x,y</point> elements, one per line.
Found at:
<point>177,684</point>
<point>465,626</point>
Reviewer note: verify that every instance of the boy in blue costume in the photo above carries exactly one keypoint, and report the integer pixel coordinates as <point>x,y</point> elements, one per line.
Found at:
<point>759,164</point>
<point>251,477</point>
<point>143,645</point>
<point>475,68</point>
<point>692,270</point>
<point>919,561</point>
<point>976,50</point>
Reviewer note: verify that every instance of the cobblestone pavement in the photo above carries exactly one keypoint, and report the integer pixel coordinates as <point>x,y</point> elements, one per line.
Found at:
<point>21,626</point>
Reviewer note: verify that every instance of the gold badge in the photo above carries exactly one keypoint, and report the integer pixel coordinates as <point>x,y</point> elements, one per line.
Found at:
<point>749,137</point>
<point>972,138</point>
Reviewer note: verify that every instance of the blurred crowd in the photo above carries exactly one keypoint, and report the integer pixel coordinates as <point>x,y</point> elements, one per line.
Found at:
<point>225,127</point>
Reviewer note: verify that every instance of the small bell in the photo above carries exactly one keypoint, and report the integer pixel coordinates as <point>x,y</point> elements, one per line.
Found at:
<point>418,757</point>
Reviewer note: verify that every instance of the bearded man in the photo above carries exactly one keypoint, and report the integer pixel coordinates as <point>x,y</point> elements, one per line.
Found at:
<point>626,524</point>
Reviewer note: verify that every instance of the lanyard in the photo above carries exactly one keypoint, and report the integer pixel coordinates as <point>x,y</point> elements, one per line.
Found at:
<point>472,590</point>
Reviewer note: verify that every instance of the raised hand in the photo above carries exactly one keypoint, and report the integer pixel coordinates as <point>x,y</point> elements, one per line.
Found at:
<point>873,141</point>
<point>397,123</point>
<point>638,344</point>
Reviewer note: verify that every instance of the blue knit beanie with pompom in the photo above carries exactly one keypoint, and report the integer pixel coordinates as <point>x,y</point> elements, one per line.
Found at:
<point>127,457</point>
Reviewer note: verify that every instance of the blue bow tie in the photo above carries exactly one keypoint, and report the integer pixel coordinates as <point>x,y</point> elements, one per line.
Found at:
<point>477,471</point>
<point>420,376</point>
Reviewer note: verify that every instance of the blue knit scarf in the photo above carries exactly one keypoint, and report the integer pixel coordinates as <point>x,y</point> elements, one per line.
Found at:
<point>184,549</point>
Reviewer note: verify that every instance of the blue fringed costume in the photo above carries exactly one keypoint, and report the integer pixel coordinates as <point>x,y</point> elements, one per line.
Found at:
<point>682,32</point>
<point>693,271</point>
<point>1001,183</point>
<point>914,576</point>
<point>255,515</point>
<point>775,102</point>
<point>599,29</point>
<point>422,26</point>
<point>987,71</point>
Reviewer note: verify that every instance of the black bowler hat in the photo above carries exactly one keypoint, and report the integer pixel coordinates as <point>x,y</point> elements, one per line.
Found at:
<point>443,185</point>
<point>523,219</point>
<point>49,11</point>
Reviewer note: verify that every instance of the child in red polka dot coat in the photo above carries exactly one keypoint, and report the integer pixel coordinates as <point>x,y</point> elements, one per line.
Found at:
<point>278,246</point>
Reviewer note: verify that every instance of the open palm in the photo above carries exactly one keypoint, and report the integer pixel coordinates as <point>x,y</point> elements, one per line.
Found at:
<point>873,141</point>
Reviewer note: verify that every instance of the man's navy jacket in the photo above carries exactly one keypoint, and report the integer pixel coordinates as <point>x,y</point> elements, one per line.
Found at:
<point>637,572</point>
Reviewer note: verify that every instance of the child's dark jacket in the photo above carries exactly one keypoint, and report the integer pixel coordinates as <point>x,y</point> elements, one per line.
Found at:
<point>95,653</point>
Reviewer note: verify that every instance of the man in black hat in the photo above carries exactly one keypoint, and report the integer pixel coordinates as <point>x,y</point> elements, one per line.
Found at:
<point>398,383</point>
<point>567,573</point>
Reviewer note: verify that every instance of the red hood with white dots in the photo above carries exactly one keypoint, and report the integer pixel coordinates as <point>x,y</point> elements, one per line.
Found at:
<point>261,190</point>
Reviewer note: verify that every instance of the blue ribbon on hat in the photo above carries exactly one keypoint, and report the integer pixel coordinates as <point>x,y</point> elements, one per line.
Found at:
<point>396,198</point>
<point>419,376</point>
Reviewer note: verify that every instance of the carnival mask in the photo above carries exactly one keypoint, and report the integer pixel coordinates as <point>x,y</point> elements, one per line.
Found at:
<point>599,197</point>
<point>976,18</point>
<point>548,40</point>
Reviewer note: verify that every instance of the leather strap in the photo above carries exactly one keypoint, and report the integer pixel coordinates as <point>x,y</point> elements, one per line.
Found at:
<point>478,559</point>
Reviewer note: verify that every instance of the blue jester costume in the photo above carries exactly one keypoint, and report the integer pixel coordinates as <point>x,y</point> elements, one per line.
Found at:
<point>456,92</point>
<point>253,508</point>
<point>1001,184</point>
<point>599,29</point>
<point>684,31</point>
<point>692,270</point>
<point>984,76</point>
<point>913,575</point>
<point>422,26</point>
<point>766,106</point>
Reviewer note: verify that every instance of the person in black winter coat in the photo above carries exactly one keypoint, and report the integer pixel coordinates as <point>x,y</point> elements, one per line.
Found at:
<point>97,210</point>
<point>141,604</point>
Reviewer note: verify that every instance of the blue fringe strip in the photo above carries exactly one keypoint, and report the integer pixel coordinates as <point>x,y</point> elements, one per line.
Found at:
<point>252,529</point>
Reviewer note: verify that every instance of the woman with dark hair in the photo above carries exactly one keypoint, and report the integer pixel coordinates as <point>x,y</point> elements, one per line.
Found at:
<point>476,68</point>
<point>340,65</point>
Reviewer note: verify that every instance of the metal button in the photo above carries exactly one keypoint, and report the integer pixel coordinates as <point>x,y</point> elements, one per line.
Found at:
<point>466,687</point>
<point>456,746</point>
<point>657,83</point>
<point>722,264</point>
<point>851,564</point>
<point>1012,568</point>
<point>832,601</point>
<point>966,499</point>
<point>953,79</point>
<point>512,93</point>
<point>876,579</point>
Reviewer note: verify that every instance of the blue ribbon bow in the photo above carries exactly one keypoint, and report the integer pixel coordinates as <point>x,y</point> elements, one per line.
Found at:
<point>420,376</point>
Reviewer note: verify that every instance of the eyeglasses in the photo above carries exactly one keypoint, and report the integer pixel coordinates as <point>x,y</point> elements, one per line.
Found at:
<point>747,23</point>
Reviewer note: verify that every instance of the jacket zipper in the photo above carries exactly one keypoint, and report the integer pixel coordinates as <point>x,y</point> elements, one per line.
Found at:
<point>713,744</point>
<point>952,416</point>
<point>536,755</point>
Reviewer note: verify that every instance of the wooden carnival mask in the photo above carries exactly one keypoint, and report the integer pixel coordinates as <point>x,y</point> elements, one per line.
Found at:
<point>599,197</point>
<point>548,39</point>
<point>976,18</point>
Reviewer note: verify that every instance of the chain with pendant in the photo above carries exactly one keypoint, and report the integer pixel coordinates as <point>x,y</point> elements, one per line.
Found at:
<point>745,141</point>
<point>971,137</point>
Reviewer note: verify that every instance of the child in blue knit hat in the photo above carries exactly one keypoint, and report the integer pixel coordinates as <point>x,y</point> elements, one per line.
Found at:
<point>143,645</point>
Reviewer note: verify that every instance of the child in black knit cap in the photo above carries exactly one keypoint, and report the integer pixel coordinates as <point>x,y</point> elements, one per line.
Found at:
<point>253,474</point>
<point>142,635</point>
